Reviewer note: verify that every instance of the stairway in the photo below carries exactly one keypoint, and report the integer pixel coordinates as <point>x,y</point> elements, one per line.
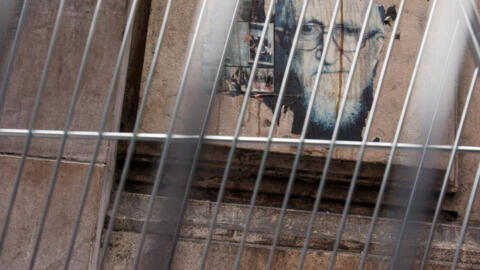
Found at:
<point>230,222</point>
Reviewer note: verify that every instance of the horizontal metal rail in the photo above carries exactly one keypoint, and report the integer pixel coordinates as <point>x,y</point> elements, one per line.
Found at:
<point>160,137</point>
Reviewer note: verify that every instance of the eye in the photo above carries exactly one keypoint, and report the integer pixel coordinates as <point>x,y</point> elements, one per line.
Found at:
<point>351,30</point>
<point>310,29</point>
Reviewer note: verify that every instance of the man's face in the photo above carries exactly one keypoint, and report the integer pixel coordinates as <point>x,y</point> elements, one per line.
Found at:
<point>339,57</point>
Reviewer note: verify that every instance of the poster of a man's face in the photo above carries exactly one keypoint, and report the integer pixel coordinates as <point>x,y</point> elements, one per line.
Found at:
<point>338,61</point>
<point>338,64</point>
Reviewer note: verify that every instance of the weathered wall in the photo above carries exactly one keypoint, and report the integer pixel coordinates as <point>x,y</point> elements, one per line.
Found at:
<point>258,117</point>
<point>17,111</point>
<point>29,62</point>
<point>28,210</point>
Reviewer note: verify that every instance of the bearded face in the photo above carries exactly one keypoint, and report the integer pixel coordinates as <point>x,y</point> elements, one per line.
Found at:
<point>338,60</point>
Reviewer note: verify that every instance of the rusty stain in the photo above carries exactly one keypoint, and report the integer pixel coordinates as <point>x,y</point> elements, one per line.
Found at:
<point>340,50</point>
<point>247,114</point>
<point>259,104</point>
<point>218,115</point>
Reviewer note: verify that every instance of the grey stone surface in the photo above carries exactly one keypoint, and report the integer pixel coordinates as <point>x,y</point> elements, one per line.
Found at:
<point>189,255</point>
<point>29,62</point>
<point>29,205</point>
<point>231,220</point>
<point>222,256</point>
<point>17,112</point>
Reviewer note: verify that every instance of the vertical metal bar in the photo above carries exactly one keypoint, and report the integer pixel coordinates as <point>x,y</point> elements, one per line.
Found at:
<point>449,167</point>
<point>466,219</point>
<point>159,173</point>
<point>424,151</point>
<point>470,27</point>
<point>271,131</point>
<point>51,186</point>
<point>136,129</point>
<point>129,25</point>
<point>203,132</point>
<point>236,135</point>
<point>65,136</point>
<point>67,127</point>
<point>128,29</point>
<point>363,146</point>
<point>105,115</point>
<point>334,137</point>
<point>395,140</point>
<point>457,140</point>
<point>36,107</point>
<point>13,53</point>
<point>306,124</point>
<point>474,16</point>
<point>473,5</point>
<point>137,123</point>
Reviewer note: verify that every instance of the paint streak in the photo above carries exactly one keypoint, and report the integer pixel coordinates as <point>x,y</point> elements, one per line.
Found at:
<point>259,119</point>
<point>217,128</point>
<point>340,74</point>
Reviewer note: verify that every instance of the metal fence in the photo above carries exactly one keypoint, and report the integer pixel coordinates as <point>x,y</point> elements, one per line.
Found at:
<point>469,20</point>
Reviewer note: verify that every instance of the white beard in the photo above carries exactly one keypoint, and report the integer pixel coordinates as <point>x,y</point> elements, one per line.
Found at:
<point>324,112</point>
<point>327,101</point>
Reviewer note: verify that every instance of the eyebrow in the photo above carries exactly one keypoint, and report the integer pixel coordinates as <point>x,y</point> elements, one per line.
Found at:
<point>345,25</point>
<point>348,25</point>
<point>313,20</point>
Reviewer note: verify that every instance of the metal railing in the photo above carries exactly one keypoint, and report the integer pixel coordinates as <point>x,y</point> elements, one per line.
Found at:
<point>200,139</point>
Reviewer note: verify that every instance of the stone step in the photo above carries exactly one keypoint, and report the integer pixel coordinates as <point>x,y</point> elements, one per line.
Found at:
<point>241,183</point>
<point>222,254</point>
<point>246,163</point>
<point>231,220</point>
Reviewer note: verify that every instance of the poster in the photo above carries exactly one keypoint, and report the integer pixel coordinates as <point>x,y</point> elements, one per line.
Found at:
<point>331,86</point>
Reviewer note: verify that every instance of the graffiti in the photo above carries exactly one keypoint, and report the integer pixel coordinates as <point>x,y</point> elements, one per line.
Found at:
<point>266,53</point>
<point>242,51</point>
<point>236,80</point>
<point>310,47</point>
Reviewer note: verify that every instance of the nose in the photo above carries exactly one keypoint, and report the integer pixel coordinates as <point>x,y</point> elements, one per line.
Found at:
<point>330,58</point>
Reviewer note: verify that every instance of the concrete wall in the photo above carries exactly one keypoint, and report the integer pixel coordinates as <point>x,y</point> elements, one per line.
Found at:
<point>24,83</point>
<point>258,117</point>
<point>16,113</point>
<point>257,122</point>
<point>28,210</point>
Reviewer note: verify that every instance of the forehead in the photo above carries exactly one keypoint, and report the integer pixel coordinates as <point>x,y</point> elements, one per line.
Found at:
<point>352,11</point>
